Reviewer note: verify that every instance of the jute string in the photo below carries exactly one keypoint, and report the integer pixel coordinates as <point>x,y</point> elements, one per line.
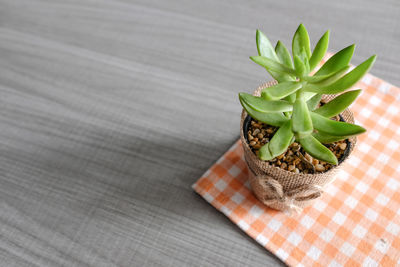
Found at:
<point>281,189</point>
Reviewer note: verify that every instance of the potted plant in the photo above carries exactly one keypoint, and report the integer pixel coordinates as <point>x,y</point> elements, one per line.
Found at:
<point>297,130</point>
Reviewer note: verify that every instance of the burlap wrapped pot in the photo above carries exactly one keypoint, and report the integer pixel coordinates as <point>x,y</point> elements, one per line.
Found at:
<point>281,189</point>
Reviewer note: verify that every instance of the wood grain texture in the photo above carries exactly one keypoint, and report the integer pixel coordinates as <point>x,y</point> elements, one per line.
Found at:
<point>110,110</point>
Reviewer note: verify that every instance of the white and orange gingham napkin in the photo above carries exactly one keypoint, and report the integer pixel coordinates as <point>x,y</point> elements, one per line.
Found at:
<point>357,220</point>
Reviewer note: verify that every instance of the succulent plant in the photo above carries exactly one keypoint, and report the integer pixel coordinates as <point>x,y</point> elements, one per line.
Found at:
<point>293,103</point>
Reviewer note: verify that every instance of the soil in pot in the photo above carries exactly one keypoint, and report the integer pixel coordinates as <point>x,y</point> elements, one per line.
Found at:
<point>295,159</point>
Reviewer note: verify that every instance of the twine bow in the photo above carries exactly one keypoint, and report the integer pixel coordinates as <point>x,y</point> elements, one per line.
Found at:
<point>287,198</point>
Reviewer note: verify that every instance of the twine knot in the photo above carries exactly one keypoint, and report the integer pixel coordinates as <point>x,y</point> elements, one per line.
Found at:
<point>275,194</point>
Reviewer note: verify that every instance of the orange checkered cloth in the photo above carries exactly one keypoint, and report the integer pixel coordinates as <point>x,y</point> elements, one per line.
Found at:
<point>355,222</point>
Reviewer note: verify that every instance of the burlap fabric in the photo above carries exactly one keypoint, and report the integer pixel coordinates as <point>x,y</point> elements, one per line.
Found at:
<point>281,189</point>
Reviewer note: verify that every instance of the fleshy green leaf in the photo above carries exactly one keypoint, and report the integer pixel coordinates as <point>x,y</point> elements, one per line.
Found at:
<point>319,51</point>
<point>264,153</point>
<point>308,95</point>
<point>281,77</point>
<point>303,57</point>
<point>264,46</point>
<point>331,78</point>
<point>327,139</point>
<point>274,119</point>
<point>337,61</point>
<point>317,80</point>
<point>313,102</point>
<point>273,65</point>
<point>299,66</point>
<point>347,80</point>
<point>290,98</point>
<point>262,105</point>
<point>280,90</point>
<point>300,41</point>
<point>301,120</point>
<point>281,140</point>
<point>283,54</point>
<point>338,104</point>
<point>337,128</point>
<point>317,150</point>
<point>265,49</point>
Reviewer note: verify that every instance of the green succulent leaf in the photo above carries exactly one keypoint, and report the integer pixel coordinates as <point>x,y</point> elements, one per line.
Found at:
<point>280,77</point>
<point>274,119</point>
<point>338,104</point>
<point>264,46</point>
<point>317,150</point>
<point>280,90</point>
<point>319,51</point>
<point>264,153</point>
<point>279,143</point>
<point>283,54</point>
<point>320,79</point>
<point>299,66</point>
<point>303,57</point>
<point>327,138</point>
<point>300,41</point>
<point>313,102</point>
<point>272,65</point>
<point>262,105</point>
<point>338,61</point>
<point>315,79</point>
<point>290,98</point>
<point>336,128</point>
<point>331,78</point>
<point>308,95</point>
<point>265,49</point>
<point>301,120</point>
<point>347,80</point>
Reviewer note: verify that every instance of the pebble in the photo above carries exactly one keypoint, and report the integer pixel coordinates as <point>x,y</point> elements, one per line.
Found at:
<point>308,157</point>
<point>291,167</point>
<point>296,170</point>
<point>319,168</point>
<point>258,146</point>
<point>256,131</point>
<point>260,136</point>
<point>295,147</point>
<point>283,165</point>
<point>253,143</point>
<point>315,162</point>
<point>343,146</point>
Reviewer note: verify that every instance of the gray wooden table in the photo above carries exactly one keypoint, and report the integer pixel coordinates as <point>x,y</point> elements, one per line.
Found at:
<point>110,110</point>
